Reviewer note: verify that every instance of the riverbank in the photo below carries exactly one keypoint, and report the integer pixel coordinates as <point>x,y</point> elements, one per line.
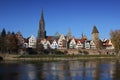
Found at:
<point>56,57</point>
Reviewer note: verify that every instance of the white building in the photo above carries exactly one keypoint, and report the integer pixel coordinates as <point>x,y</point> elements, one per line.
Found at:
<point>32,42</point>
<point>72,44</point>
<point>54,45</point>
<point>45,43</point>
<point>79,44</point>
<point>87,45</point>
<point>108,44</point>
<point>61,42</point>
<point>92,45</point>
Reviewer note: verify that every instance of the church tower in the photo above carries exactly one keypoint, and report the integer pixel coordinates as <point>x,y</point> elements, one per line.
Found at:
<point>42,31</point>
<point>96,39</point>
<point>95,34</point>
<point>69,35</point>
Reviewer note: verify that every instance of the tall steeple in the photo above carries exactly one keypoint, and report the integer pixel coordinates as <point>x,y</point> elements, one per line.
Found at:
<point>42,31</point>
<point>69,35</point>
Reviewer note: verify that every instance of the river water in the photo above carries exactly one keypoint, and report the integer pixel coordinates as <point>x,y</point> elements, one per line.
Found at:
<point>61,70</point>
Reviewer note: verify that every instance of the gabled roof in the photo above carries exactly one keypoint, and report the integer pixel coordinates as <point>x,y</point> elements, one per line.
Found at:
<point>107,42</point>
<point>77,40</point>
<point>95,30</point>
<point>52,38</point>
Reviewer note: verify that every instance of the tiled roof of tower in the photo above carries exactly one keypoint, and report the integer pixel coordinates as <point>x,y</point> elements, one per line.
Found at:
<point>95,30</point>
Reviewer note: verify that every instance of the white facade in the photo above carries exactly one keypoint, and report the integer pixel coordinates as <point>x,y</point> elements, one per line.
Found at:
<point>60,41</point>
<point>87,45</point>
<point>46,45</point>
<point>79,45</point>
<point>32,42</point>
<point>92,45</point>
<point>54,45</point>
<point>110,47</point>
<point>72,44</point>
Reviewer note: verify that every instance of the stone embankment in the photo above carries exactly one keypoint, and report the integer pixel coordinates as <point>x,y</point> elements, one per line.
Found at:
<point>89,51</point>
<point>73,52</point>
<point>56,58</point>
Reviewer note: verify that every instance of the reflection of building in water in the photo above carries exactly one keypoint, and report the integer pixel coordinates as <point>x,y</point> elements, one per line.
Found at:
<point>31,72</point>
<point>116,75</point>
<point>112,68</point>
<point>104,70</point>
<point>75,70</point>
<point>97,71</point>
<point>81,70</point>
<point>28,72</point>
<point>54,71</point>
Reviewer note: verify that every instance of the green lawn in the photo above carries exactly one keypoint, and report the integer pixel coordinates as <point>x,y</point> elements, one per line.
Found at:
<point>63,56</point>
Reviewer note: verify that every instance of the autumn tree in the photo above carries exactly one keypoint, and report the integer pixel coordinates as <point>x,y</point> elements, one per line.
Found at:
<point>115,39</point>
<point>12,43</point>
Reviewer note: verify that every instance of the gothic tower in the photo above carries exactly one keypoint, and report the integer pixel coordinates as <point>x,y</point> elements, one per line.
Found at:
<point>95,34</point>
<point>42,31</point>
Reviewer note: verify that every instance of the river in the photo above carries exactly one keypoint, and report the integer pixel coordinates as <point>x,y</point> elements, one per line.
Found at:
<point>60,70</point>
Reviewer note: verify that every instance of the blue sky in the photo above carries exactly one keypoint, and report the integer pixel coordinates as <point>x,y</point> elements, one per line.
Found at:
<point>78,15</point>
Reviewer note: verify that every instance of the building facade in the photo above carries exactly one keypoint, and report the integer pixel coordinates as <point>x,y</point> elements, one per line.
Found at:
<point>32,42</point>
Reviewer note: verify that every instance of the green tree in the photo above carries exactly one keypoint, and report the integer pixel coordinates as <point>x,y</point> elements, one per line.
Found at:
<point>3,33</point>
<point>3,45</point>
<point>115,39</point>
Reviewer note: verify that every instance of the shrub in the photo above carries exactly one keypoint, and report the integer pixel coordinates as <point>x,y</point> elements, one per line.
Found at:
<point>86,52</point>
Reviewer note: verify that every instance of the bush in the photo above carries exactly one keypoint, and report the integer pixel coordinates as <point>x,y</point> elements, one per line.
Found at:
<point>1,58</point>
<point>86,52</point>
<point>80,52</point>
<point>31,51</point>
<point>65,52</point>
<point>58,52</point>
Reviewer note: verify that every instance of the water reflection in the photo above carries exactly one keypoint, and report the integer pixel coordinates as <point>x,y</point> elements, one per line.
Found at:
<point>61,70</point>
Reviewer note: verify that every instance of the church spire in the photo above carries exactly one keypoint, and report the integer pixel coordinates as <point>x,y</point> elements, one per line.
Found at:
<point>69,35</point>
<point>42,16</point>
<point>42,31</point>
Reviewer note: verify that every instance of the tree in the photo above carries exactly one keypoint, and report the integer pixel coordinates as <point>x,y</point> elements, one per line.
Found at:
<point>39,46</point>
<point>3,46</point>
<point>12,43</point>
<point>3,33</point>
<point>115,39</point>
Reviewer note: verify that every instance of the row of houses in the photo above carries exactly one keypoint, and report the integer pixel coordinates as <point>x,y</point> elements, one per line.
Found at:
<point>62,42</point>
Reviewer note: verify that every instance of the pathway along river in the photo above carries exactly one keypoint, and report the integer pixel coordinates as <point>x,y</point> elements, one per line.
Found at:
<point>61,70</point>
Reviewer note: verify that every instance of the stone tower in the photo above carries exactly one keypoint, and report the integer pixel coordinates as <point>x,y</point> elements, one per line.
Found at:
<point>95,34</point>
<point>96,39</point>
<point>42,31</point>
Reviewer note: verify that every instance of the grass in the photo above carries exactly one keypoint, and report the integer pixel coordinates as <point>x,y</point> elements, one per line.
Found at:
<point>64,56</point>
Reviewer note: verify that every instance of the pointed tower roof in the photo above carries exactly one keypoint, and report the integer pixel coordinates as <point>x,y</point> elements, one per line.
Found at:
<point>95,30</point>
<point>69,33</point>
<point>42,31</point>
<point>42,16</point>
